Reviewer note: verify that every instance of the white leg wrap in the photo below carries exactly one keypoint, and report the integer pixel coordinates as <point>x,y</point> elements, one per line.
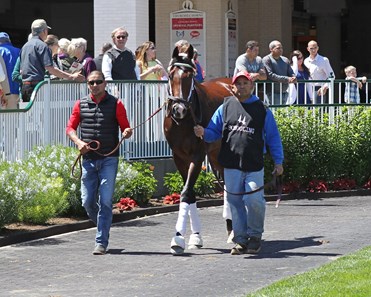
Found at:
<point>194,218</point>
<point>195,241</point>
<point>181,224</point>
<point>177,245</point>
<point>227,214</point>
<point>230,237</point>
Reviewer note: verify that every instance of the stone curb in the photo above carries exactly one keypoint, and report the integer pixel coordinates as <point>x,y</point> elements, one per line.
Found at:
<point>126,216</point>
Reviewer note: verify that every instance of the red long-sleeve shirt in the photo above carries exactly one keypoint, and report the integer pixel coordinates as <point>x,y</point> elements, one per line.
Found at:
<point>74,120</point>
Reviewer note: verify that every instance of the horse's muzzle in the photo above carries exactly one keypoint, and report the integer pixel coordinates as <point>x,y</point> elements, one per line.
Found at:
<point>178,110</point>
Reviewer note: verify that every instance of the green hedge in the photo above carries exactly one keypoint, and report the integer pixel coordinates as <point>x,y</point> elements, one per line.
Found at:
<point>314,148</point>
<point>41,187</point>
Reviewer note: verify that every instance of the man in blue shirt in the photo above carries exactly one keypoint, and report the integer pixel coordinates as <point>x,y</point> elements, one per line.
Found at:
<point>246,127</point>
<point>10,55</point>
<point>36,59</point>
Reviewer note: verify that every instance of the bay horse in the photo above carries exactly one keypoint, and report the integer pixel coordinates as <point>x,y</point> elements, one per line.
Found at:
<point>190,103</point>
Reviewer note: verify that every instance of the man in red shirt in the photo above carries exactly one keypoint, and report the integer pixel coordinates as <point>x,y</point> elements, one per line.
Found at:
<point>100,115</point>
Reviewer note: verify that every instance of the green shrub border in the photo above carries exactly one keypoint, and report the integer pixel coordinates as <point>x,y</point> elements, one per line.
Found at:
<point>319,151</point>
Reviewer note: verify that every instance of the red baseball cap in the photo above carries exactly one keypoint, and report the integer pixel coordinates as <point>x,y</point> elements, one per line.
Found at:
<point>243,73</point>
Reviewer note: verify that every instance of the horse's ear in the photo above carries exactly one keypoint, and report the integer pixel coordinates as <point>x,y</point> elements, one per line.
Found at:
<point>175,52</point>
<point>190,52</point>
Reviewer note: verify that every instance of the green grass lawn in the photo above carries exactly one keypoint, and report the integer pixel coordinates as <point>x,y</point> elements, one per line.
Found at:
<point>347,276</point>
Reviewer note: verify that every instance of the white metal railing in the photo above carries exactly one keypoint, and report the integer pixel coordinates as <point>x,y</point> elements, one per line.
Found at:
<point>44,119</point>
<point>274,93</point>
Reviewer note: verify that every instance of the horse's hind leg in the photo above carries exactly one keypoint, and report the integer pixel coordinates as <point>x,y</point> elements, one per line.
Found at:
<point>212,153</point>
<point>195,240</point>
<point>227,215</point>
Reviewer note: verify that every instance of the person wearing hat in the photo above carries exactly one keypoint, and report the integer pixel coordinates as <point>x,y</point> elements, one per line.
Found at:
<point>245,126</point>
<point>10,55</point>
<point>36,59</point>
<point>200,75</point>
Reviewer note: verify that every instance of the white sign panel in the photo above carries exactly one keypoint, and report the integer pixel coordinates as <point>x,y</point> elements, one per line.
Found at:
<point>189,24</point>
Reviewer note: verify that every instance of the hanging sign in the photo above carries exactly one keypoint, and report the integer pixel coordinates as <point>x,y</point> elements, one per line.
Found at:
<point>189,24</point>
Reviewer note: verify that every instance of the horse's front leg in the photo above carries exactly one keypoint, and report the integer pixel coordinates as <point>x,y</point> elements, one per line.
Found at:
<point>188,207</point>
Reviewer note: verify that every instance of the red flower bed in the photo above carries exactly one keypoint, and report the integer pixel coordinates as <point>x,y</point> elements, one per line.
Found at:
<point>172,199</point>
<point>367,185</point>
<point>316,186</point>
<point>344,184</point>
<point>126,204</point>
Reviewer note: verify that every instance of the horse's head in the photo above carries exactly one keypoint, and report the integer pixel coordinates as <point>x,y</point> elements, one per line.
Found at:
<point>181,82</point>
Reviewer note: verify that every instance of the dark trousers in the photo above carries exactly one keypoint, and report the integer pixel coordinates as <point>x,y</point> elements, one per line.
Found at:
<point>26,91</point>
<point>320,99</point>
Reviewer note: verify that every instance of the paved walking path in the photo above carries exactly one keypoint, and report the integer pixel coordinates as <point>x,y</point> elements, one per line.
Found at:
<point>300,235</point>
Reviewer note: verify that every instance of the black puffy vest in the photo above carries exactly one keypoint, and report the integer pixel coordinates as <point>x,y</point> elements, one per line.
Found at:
<point>98,122</point>
<point>123,64</point>
<point>242,136</point>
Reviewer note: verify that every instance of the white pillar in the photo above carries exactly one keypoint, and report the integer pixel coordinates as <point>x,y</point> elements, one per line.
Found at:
<point>111,14</point>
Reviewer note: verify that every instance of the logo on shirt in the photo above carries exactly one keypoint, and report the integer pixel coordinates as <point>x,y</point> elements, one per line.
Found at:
<point>242,126</point>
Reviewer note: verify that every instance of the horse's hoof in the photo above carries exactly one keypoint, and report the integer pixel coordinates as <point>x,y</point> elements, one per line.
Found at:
<point>176,250</point>
<point>177,245</point>
<point>195,241</point>
<point>194,247</point>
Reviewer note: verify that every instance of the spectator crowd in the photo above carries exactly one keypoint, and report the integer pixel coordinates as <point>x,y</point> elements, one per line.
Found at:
<point>21,69</point>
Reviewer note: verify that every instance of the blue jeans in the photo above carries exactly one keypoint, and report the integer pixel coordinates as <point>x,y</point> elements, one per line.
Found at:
<point>97,187</point>
<point>248,211</point>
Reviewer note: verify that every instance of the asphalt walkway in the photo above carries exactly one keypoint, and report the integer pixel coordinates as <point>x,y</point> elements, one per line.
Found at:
<point>300,235</point>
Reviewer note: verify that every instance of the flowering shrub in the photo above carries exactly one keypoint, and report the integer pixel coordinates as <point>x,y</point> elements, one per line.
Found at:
<point>8,202</point>
<point>135,180</point>
<point>316,186</point>
<point>126,204</point>
<point>367,185</point>
<point>56,161</point>
<point>172,199</point>
<point>173,182</point>
<point>31,190</point>
<point>343,184</point>
<point>205,184</point>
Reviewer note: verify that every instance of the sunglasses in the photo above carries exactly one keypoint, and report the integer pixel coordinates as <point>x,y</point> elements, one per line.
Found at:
<point>95,82</point>
<point>121,37</point>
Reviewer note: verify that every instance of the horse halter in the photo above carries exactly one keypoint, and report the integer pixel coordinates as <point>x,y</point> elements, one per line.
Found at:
<point>180,105</point>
